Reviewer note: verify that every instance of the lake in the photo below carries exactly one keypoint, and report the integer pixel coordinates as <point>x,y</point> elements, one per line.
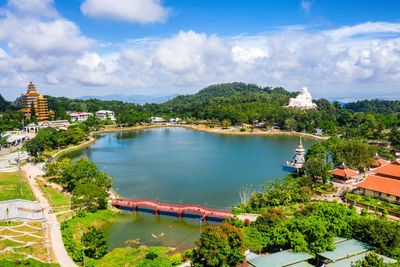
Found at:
<point>183,166</point>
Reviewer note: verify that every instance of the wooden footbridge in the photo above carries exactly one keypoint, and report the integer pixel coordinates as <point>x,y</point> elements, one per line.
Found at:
<point>174,208</point>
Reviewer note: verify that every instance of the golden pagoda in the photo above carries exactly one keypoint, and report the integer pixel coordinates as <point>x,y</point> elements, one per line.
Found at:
<point>37,101</point>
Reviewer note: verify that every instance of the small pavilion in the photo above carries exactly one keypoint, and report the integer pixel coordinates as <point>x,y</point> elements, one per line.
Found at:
<point>343,174</point>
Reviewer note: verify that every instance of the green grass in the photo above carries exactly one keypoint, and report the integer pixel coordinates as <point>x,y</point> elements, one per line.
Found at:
<point>16,261</point>
<point>10,223</point>
<point>373,202</point>
<point>128,256</point>
<point>59,201</point>
<point>288,210</point>
<point>99,219</point>
<point>5,243</point>
<point>9,187</point>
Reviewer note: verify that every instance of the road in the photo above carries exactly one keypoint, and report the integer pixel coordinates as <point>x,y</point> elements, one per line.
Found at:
<point>54,227</point>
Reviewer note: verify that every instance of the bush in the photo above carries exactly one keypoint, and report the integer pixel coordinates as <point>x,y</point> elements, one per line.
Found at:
<point>176,259</point>
<point>219,246</point>
<point>242,129</point>
<point>364,212</point>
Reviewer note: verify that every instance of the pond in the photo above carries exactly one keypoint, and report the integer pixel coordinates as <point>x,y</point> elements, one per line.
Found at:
<point>179,165</point>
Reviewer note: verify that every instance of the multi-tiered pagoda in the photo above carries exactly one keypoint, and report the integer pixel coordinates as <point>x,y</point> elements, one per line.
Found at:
<point>298,160</point>
<point>33,101</point>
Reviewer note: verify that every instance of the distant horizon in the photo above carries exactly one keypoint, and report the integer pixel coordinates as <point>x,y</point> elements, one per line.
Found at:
<point>172,95</point>
<point>338,49</point>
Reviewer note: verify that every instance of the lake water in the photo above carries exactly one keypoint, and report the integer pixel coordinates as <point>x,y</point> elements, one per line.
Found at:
<point>183,166</point>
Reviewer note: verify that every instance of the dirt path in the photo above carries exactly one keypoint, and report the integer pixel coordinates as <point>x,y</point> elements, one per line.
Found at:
<point>51,219</point>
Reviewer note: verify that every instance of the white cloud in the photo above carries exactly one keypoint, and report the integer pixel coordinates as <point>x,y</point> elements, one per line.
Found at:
<point>370,29</point>
<point>140,11</point>
<point>51,51</point>
<point>306,6</point>
<point>43,8</point>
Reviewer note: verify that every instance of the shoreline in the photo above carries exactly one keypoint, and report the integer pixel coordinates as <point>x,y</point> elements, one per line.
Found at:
<point>190,127</point>
<point>211,130</point>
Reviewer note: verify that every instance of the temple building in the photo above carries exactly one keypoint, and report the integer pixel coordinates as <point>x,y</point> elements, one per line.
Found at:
<point>303,101</point>
<point>32,100</point>
<point>384,183</point>
<point>343,174</point>
<point>298,160</point>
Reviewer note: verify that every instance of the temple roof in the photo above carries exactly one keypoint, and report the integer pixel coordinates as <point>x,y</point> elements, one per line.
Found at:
<point>381,184</point>
<point>344,172</point>
<point>390,169</point>
<point>379,162</point>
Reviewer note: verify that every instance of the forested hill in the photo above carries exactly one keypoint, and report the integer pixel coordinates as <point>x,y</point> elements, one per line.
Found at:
<point>225,90</point>
<point>375,106</point>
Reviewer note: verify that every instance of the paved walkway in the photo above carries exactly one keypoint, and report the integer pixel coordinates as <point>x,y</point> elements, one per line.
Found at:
<point>54,227</point>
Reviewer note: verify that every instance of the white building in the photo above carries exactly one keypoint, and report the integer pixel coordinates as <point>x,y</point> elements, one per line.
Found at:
<point>302,101</point>
<point>157,120</point>
<point>104,114</point>
<point>79,116</point>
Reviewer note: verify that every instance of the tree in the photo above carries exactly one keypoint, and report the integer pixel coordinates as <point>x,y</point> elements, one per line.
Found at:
<point>91,196</point>
<point>317,168</point>
<point>218,246</point>
<point>370,260</point>
<point>84,172</point>
<point>290,124</point>
<point>245,194</point>
<point>269,219</point>
<point>394,138</point>
<point>94,243</point>
<point>317,150</point>
<point>225,124</point>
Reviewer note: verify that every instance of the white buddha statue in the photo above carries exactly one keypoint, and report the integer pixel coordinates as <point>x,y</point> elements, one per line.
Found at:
<point>302,101</point>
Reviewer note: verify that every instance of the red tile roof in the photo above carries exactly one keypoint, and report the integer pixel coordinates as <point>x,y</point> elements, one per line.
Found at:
<point>379,163</point>
<point>390,169</point>
<point>345,173</point>
<point>381,184</point>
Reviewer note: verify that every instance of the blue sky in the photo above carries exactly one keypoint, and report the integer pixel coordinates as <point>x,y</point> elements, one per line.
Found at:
<point>338,49</point>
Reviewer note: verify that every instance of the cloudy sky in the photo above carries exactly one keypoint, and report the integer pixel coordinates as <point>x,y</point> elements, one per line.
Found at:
<point>338,49</point>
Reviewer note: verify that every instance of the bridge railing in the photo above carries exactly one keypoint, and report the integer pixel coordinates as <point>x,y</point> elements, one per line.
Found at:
<point>130,202</point>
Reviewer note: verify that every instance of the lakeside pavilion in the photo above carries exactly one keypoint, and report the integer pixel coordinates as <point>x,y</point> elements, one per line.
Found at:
<point>383,183</point>
<point>343,174</point>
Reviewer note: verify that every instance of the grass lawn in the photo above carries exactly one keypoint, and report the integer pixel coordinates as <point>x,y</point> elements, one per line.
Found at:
<point>288,210</point>
<point>9,187</point>
<point>127,256</point>
<point>20,248</point>
<point>373,202</point>
<point>59,201</point>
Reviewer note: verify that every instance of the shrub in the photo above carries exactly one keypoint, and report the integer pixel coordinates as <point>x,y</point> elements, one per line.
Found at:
<point>242,129</point>
<point>176,258</point>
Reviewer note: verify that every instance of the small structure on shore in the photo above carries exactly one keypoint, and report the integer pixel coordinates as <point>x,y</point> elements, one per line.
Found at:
<point>303,101</point>
<point>298,160</point>
<point>343,174</point>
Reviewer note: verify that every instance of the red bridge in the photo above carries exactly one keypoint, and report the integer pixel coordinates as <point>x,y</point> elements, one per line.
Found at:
<point>179,209</point>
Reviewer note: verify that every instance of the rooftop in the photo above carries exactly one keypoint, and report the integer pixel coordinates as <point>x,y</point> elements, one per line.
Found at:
<point>347,262</point>
<point>381,184</point>
<point>345,249</point>
<point>283,258</point>
<point>390,169</point>
<point>345,173</point>
<point>379,162</point>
